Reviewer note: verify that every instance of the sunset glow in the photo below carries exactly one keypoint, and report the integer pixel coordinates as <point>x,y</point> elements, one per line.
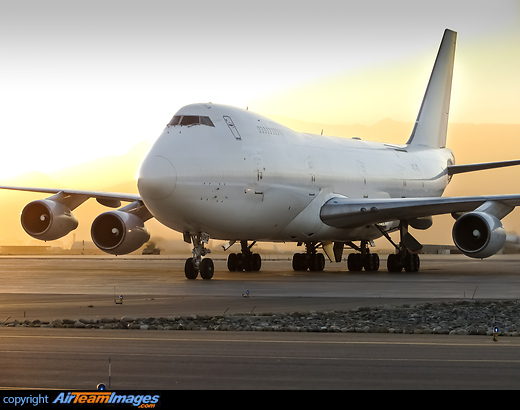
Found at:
<point>87,80</point>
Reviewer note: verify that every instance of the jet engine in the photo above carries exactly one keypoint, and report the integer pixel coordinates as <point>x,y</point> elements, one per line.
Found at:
<point>47,220</point>
<point>119,232</point>
<point>478,234</point>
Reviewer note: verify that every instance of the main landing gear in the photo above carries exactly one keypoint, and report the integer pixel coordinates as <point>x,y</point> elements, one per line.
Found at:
<point>364,259</point>
<point>245,260</point>
<point>196,264</point>
<point>310,260</point>
<point>405,256</point>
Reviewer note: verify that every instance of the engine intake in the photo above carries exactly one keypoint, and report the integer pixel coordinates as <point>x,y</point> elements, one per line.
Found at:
<point>118,232</point>
<point>478,234</point>
<point>47,220</point>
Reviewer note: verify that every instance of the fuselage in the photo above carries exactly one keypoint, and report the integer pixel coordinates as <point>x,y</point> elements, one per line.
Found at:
<point>242,176</point>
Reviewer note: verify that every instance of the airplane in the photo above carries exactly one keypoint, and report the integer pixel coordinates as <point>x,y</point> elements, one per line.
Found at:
<point>224,173</point>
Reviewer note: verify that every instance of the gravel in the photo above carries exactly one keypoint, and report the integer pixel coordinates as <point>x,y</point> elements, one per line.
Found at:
<point>467,317</point>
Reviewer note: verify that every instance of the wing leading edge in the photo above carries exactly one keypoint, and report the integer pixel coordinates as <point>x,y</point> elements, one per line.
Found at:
<point>345,213</point>
<point>110,199</point>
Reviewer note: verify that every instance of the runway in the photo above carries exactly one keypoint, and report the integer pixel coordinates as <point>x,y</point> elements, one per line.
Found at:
<point>84,287</point>
<point>79,359</point>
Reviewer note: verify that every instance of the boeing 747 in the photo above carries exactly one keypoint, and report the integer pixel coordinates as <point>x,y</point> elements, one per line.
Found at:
<point>229,174</point>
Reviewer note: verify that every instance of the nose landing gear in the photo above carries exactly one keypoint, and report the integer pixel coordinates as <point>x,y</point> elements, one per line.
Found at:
<point>196,264</point>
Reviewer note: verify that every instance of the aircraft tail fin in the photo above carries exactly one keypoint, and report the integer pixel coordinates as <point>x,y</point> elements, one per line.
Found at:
<point>431,126</point>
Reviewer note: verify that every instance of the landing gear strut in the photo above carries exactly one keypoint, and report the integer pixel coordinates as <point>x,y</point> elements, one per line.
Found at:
<point>309,260</point>
<point>196,264</point>
<point>245,260</point>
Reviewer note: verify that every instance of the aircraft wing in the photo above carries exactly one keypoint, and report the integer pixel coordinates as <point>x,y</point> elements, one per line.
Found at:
<point>110,199</point>
<point>343,213</point>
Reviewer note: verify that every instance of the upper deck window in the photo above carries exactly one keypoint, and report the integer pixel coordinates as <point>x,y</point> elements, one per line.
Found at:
<point>186,120</point>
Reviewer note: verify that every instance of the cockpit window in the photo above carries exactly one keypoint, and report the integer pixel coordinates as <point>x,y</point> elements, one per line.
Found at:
<point>190,120</point>
<point>206,121</point>
<point>176,120</point>
<point>186,120</point>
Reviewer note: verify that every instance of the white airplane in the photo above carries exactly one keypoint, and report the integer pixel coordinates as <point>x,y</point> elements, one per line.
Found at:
<point>224,173</point>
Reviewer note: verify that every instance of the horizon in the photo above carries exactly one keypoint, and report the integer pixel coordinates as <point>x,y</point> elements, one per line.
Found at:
<point>117,174</point>
<point>363,131</point>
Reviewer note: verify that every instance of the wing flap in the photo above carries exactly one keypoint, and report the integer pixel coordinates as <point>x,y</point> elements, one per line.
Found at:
<point>344,213</point>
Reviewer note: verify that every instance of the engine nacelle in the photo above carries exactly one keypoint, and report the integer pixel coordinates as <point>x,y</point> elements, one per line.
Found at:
<point>47,220</point>
<point>478,234</point>
<point>118,232</point>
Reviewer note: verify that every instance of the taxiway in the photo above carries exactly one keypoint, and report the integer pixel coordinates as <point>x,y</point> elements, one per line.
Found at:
<point>87,287</point>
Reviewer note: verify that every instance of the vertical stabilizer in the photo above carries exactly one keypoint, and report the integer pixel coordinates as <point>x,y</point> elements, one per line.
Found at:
<point>432,122</point>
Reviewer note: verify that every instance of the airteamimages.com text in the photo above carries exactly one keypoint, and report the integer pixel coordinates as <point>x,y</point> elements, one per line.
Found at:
<point>147,401</point>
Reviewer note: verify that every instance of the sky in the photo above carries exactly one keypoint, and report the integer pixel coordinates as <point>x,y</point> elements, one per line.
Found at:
<point>84,79</point>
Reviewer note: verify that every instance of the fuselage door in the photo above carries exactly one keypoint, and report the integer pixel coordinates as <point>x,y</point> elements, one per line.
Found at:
<point>362,169</point>
<point>259,172</point>
<point>232,127</point>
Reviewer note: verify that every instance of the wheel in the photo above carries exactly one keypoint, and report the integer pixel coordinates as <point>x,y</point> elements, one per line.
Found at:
<point>355,262</point>
<point>256,262</point>
<point>247,262</point>
<point>371,262</point>
<point>304,263</point>
<point>296,262</point>
<point>189,269</point>
<point>392,263</point>
<point>240,262</point>
<point>299,262</point>
<point>232,263</point>
<point>375,262</point>
<point>412,263</point>
<point>206,268</point>
<point>313,263</point>
<point>320,261</point>
<point>316,262</point>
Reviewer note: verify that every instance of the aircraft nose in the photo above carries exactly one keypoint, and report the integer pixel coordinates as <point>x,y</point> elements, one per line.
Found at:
<point>157,178</point>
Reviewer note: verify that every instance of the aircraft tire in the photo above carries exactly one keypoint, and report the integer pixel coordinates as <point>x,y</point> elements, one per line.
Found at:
<point>316,262</point>
<point>232,262</point>
<point>189,269</point>
<point>392,263</point>
<point>355,262</point>
<point>207,268</point>
<point>412,263</point>
<point>371,262</point>
<point>256,262</point>
<point>299,262</point>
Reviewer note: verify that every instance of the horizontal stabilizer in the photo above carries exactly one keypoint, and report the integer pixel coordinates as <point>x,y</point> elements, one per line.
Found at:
<point>459,169</point>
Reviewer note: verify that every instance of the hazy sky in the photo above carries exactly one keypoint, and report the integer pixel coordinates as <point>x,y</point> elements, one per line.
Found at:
<point>92,78</point>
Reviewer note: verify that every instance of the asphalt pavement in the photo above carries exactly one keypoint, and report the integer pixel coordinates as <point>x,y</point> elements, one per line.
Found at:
<point>48,288</point>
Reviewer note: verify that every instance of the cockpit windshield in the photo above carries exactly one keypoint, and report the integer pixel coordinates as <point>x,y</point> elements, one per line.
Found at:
<point>186,120</point>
